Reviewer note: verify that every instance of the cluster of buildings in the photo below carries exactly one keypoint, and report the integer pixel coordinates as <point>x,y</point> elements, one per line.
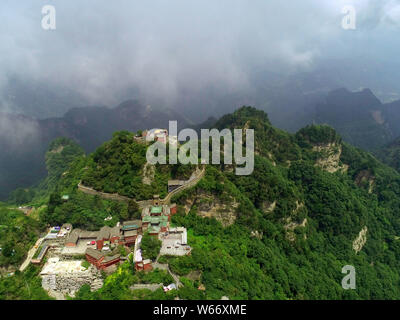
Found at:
<point>101,247</point>
<point>124,234</point>
<point>156,218</point>
<point>155,221</point>
<point>54,237</point>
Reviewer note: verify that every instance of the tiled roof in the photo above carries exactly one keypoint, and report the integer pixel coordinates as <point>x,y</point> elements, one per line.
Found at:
<point>104,233</point>
<point>130,233</point>
<point>154,229</point>
<point>129,225</point>
<point>156,210</point>
<point>94,253</point>
<point>88,234</point>
<point>111,258</point>
<point>115,232</point>
<point>155,219</point>
<point>73,236</point>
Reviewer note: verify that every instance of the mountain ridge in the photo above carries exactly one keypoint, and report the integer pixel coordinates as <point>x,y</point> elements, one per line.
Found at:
<point>24,139</point>
<point>291,217</point>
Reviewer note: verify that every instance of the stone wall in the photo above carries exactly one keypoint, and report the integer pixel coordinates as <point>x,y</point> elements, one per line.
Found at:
<point>70,283</point>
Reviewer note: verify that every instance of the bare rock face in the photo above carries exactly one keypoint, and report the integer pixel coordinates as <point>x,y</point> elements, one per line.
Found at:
<point>208,206</point>
<point>214,208</point>
<point>257,234</point>
<point>148,174</point>
<point>268,207</point>
<point>365,179</point>
<point>291,225</point>
<point>360,241</point>
<point>330,157</point>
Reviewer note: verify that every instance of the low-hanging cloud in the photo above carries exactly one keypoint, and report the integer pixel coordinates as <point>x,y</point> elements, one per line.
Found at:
<point>165,51</point>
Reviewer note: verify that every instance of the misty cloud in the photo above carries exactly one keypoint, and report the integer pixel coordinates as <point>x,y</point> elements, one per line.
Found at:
<point>17,131</point>
<point>166,51</point>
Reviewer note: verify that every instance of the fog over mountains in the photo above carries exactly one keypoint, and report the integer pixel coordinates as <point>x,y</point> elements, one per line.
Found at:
<point>24,140</point>
<point>194,57</point>
<point>359,117</point>
<point>190,61</point>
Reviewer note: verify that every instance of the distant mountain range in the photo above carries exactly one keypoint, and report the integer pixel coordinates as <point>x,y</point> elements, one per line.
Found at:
<point>359,117</point>
<point>390,154</point>
<point>24,140</point>
<point>312,204</point>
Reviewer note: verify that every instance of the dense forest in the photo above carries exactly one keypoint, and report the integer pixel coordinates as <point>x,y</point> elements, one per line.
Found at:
<point>18,233</point>
<point>283,232</point>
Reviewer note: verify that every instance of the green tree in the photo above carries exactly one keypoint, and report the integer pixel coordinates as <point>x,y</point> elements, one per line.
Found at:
<point>133,210</point>
<point>150,246</point>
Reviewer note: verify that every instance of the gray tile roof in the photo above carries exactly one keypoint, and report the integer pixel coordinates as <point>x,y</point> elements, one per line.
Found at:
<point>94,253</point>
<point>73,236</point>
<point>111,258</point>
<point>130,233</point>
<point>104,233</point>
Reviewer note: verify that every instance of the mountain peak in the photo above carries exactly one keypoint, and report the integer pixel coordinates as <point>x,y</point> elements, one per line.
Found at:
<point>357,99</point>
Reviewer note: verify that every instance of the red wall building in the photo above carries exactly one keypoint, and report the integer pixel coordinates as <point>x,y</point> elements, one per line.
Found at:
<point>144,265</point>
<point>172,209</point>
<point>99,260</point>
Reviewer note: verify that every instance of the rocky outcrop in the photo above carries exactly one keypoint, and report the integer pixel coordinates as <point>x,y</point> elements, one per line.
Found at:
<point>329,159</point>
<point>209,206</point>
<point>148,173</point>
<point>360,241</point>
<point>290,226</point>
<point>213,208</point>
<point>365,179</point>
<point>299,205</point>
<point>256,234</point>
<point>268,207</point>
<point>378,117</point>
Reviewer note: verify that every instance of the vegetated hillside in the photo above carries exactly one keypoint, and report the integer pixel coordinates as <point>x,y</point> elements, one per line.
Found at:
<point>308,213</point>
<point>60,155</point>
<point>358,116</point>
<point>18,233</point>
<point>312,205</point>
<point>391,115</point>
<point>120,166</point>
<point>390,154</point>
<point>24,140</point>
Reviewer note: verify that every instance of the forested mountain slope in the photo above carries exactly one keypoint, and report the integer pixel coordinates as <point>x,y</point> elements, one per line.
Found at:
<point>312,205</point>
<point>24,140</point>
<point>390,154</point>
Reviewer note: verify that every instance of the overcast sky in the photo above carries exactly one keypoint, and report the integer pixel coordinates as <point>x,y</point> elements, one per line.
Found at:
<point>103,49</point>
